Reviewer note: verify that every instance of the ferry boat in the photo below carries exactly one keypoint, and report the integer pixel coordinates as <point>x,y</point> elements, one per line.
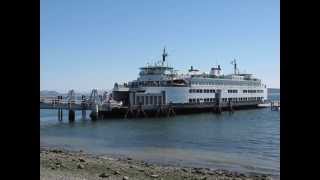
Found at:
<point>160,84</point>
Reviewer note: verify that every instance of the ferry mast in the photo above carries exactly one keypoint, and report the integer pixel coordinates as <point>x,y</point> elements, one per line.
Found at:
<point>164,55</point>
<point>234,63</point>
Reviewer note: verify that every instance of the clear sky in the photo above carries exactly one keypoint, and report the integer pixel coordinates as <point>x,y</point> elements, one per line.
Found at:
<point>93,44</point>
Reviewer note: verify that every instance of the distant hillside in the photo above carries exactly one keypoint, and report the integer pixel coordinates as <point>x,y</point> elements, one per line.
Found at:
<point>55,93</point>
<point>273,90</point>
<point>49,93</point>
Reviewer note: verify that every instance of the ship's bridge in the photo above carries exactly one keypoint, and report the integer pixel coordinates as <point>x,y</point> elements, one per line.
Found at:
<point>155,73</point>
<point>155,70</point>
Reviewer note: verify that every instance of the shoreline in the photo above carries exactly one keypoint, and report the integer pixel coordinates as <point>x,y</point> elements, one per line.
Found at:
<point>58,163</point>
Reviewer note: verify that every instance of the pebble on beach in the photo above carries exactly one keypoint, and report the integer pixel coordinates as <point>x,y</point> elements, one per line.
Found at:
<point>104,175</point>
<point>154,175</point>
<point>80,166</point>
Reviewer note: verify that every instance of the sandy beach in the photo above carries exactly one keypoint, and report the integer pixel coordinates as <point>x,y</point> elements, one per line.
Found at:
<point>75,165</point>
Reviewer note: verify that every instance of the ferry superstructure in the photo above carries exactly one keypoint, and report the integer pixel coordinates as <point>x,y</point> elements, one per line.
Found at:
<point>160,84</point>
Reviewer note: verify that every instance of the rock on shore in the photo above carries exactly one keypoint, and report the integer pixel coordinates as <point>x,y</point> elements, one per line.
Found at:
<point>62,164</point>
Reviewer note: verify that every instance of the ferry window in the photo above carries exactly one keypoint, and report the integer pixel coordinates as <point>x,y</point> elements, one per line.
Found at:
<point>159,97</point>
<point>155,100</point>
<point>138,99</point>
<point>190,90</point>
<point>142,99</point>
<point>198,100</point>
<point>147,99</point>
<point>210,90</point>
<point>190,100</point>
<point>151,100</point>
<point>200,90</point>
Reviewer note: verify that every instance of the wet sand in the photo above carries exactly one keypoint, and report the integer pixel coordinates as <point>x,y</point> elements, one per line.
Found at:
<point>76,165</point>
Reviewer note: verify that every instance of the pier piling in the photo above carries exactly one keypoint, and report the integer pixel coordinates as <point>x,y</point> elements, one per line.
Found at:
<point>230,106</point>
<point>84,114</point>
<point>71,115</point>
<point>217,107</point>
<point>60,115</point>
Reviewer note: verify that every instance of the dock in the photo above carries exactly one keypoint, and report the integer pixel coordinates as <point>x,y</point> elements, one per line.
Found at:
<point>273,104</point>
<point>100,110</point>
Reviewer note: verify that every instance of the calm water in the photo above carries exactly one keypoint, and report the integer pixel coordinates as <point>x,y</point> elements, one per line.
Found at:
<point>247,140</point>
